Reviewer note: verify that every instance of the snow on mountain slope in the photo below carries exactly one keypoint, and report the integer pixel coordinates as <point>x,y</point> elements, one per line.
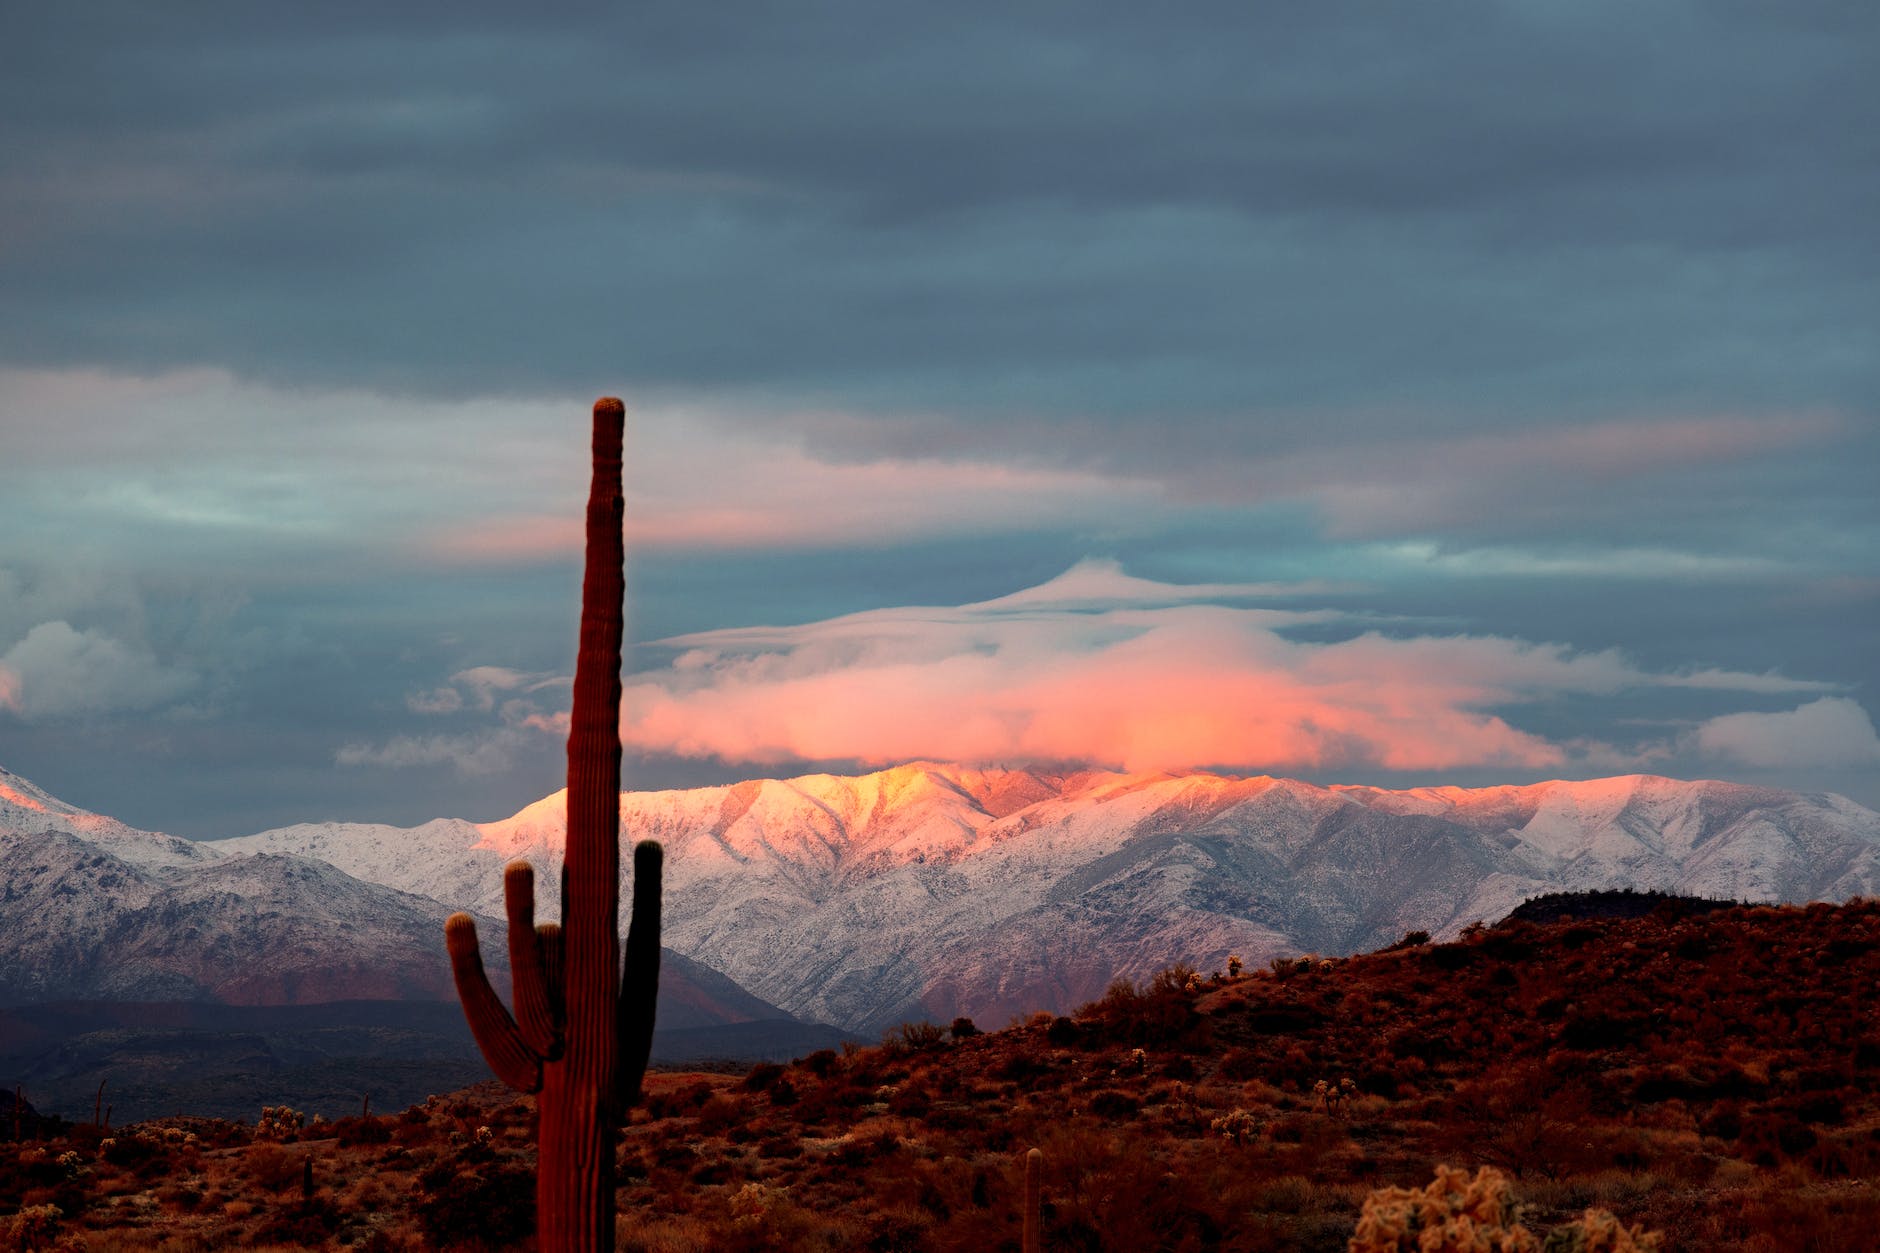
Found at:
<point>78,921</point>
<point>939,890</point>
<point>25,808</point>
<point>93,909</point>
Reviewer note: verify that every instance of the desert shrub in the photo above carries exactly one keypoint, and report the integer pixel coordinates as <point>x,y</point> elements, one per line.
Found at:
<point>910,1101</point>
<point>355,1131</point>
<point>1594,1031</point>
<point>1771,1136</point>
<point>1824,1109</point>
<point>963,1029</point>
<point>1178,977</point>
<point>275,1167</point>
<point>1161,1013</point>
<point>718,1115</point>
<point>130,1150</point>
<point>488,1208</point>
<point>915,1037</point>
<point>1110,1103</point>
<point>821,1062</point>
<point>1454,957</point>
<point>1063,1032</point>
<point>762,1077</point>
<point>307,1224</point>
<point>1284,1019</point>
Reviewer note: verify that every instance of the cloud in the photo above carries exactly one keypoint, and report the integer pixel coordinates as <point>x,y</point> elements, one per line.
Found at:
<point>478,688</point>
<point>513,696</point>
<point>231,473</point>
<point>56,671</point>
<point>1140,682</point>
<point>699,483</point>
<point>1831,733</point>
<point>1100,583</point>
<point>472,753</point>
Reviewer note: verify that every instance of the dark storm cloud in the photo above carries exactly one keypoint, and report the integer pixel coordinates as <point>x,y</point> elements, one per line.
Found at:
<point>1549,321</point>
<point>1446,209</point>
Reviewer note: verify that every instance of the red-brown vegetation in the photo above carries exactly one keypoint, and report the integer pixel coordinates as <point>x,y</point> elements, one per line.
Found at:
<point>1715,1078</point>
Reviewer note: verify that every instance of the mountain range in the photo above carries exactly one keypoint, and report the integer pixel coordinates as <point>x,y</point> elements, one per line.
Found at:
<point>927,890</point>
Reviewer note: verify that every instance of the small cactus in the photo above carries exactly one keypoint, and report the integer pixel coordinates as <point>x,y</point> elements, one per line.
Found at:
<point>1032,1237</point>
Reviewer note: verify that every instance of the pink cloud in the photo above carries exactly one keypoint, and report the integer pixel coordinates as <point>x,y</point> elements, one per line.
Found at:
<point>1100,668</point>
<point>1135,685</point>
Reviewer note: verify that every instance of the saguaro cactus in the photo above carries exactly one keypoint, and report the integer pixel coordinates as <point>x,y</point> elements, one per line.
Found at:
<point>1031,1235</point>
<point>581,1031</point>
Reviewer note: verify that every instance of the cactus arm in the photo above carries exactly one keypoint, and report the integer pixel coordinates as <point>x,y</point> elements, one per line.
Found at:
<point>495,1031</point>
<point>548,943</point>
<point>535,1017</point>
<point>639,984</point>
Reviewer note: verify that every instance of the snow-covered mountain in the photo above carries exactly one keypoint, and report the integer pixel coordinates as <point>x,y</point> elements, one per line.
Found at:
<point>938,890</point>
<point>92,909</point>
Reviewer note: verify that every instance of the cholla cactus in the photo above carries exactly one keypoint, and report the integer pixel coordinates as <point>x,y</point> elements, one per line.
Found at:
<point>485,1136</point>
<point>1193,984</point>
<point>34,1227</point>
<point>1457,1214</point>
<point>752,1204</point>
<point>1596,1231</point>
<point>1233,965</point>
<point>1332,1097</point>
<point>279,1122</point>
<point>1453,1214</point>
<point>70,1162</point>
<point>1236,1126</point>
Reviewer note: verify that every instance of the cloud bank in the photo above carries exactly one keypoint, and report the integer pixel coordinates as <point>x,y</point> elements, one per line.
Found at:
<point>1139,680</point>
<point>57,671</point>
<point>1831,733</point>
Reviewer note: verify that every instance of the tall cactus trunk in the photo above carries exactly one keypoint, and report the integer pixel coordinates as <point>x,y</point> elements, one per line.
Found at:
<point>578,1108</point>
<point>579,1037</point>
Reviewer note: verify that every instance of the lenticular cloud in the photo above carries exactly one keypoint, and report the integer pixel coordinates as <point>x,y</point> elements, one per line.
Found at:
<point>1096,667</point>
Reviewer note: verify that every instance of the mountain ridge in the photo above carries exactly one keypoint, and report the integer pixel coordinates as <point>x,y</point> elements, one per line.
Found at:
<point>934,890</point>
<point>923,890</point>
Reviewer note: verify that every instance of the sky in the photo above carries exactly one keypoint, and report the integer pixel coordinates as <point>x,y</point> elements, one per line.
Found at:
<point>1390,393</point>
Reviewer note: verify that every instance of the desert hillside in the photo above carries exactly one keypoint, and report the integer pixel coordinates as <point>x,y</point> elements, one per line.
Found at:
<point>1713,1074</point>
